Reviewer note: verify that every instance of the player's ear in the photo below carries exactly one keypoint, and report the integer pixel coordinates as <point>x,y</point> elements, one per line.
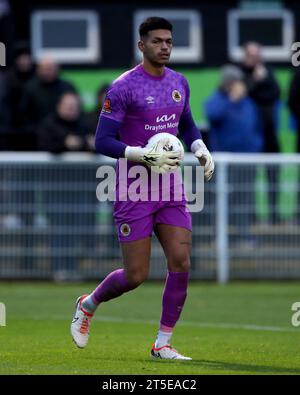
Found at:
<point>141,45</point>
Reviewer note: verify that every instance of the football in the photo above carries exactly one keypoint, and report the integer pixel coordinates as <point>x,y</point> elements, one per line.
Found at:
<point>165,142</point>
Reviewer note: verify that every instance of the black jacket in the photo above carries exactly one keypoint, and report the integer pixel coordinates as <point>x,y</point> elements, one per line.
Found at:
<point>265,92</point>
<point>53,131</point>
<point>91,119</point>
<point>40,99</point>
<point>17,82</point>
<point>294,95</point>
<point>4,113</point>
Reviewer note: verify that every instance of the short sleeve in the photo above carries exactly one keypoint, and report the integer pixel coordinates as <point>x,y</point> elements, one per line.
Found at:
<point>116,103</point>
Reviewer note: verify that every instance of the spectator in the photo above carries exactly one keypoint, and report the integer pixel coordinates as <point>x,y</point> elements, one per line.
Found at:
<point>4,113</point>
<point>234,120</point>
<point>18,76</point>
<point>235,126</point>
<point>294,106</point>
<point>93,116</point>
<point>7,28</point>
<point>294,103</point>
<point>60,132</point>
<point>65,130</point>
<point>42,94</point>
<point>264,90</point>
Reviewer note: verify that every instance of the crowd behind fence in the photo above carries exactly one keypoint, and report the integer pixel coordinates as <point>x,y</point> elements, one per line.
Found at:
<point>53,227</point>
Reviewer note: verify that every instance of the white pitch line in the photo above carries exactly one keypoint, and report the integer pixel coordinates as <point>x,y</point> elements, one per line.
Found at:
<point>212,325</point>
<point>220,325</point>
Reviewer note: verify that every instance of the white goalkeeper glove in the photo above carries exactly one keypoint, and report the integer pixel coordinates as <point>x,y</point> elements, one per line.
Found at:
<point>153,156</point>
<point>201,152</point>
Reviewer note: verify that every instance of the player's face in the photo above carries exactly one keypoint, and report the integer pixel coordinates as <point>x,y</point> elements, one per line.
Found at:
<point>157,46</point>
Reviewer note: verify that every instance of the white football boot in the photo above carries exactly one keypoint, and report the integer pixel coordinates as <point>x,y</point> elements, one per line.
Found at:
<point>167,352</point>
<point>81,324</point>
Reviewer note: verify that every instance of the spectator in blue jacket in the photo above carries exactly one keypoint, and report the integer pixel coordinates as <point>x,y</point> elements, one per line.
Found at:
<point>235,126</point>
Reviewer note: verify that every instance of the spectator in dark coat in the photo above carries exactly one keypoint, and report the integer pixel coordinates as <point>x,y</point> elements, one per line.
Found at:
<point>92,117</point>
<point>65,129</point>
<point>4,113</point>
<point>42,94</point>
<point>294,103</point>
<point>7,28</point>
<point>18,76</point>
<point>294,106</point>
<point>264,90</point>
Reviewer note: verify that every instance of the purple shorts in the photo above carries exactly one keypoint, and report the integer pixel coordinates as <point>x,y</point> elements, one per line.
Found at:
<point>136,220</point>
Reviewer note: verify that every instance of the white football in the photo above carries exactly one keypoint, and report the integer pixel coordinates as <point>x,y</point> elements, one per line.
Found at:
<point>169,142</point>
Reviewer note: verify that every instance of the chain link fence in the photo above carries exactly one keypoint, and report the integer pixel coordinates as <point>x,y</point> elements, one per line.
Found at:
<point>53,227</point>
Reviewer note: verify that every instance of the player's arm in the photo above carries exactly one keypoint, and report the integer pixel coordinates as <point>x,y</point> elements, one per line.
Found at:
<point>193,139</point>
<point>107,141</point>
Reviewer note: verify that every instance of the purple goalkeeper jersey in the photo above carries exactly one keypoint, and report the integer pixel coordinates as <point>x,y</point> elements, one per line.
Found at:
<point>146,105</point>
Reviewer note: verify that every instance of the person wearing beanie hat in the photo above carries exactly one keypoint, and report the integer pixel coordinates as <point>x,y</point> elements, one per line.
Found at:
<point>235,126</point>
<point>229,74</point>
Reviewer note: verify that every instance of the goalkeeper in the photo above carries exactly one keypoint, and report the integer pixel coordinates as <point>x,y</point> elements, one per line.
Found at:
<point>139,102</point>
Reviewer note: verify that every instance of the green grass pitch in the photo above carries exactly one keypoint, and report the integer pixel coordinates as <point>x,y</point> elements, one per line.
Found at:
<point>241,328</point>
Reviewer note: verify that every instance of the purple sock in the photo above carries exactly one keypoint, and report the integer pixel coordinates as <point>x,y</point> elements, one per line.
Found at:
<point>114,285</point>
<point>174,297</point>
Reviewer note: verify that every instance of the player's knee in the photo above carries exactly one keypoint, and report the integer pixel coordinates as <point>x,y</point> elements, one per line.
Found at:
<point>137,277</point>
<point>179,263</point>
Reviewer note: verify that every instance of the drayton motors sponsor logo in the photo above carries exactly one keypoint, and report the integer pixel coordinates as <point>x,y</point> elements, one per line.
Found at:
<point>164,122</point>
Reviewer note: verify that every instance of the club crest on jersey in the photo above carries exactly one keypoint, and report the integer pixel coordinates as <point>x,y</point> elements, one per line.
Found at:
<point>176,95</point>
<point>107,106</point>
<point>149,99</point>
<point>125,229</point>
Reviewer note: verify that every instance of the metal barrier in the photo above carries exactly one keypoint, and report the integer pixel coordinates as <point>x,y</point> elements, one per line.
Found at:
<point>52,226</point>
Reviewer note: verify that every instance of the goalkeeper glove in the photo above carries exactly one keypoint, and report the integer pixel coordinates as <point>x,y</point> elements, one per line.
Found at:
<point>203,155</point>
<point>154,156</point>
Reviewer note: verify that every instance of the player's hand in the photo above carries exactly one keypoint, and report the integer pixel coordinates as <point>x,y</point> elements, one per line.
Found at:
<point>205,159</point>
<point>168,160</point>
<point>158,157</point>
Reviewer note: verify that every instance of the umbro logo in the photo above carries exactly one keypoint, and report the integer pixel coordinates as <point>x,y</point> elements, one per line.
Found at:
<point>149,99</point>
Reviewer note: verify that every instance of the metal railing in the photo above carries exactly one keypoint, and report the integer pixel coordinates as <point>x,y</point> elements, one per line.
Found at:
<point>52,225</point>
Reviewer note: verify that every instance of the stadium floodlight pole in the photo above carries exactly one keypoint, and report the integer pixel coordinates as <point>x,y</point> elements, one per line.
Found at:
<point>222,223</point>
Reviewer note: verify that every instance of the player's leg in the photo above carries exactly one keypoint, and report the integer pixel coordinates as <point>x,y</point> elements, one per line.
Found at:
<point>134,223</point>
<point>136,258</point>
<point>176,242</point>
